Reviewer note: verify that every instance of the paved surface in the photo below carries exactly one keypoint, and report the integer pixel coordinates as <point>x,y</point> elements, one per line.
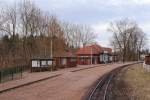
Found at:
<point>69,85</point>
<point>37,76</point>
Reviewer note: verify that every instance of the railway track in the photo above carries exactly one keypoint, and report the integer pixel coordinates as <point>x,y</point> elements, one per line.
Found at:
<point>102,90</point>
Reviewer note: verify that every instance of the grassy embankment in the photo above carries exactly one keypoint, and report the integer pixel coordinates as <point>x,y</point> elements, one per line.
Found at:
<point>132,84</point>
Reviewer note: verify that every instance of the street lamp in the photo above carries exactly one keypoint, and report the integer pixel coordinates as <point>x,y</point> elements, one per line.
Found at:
<point>51,35</point>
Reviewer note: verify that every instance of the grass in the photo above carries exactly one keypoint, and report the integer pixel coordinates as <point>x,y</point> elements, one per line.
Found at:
<point>132,84</point>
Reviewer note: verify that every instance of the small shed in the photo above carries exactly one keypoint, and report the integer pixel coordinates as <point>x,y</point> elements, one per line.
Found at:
<point>65,60</point>
<point>146,63</point>
<point>41,64</point>
<point>147,59</point>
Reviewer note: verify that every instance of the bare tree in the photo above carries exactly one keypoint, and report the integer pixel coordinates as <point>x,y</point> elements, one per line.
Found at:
<point>8,27</point>
<point>71,31</point>
<point>78,35</point>
<point>87,36</point>
<point>128,38</point>
<point>2,20</point>
<point>28,31</point>
<point>29,15</point>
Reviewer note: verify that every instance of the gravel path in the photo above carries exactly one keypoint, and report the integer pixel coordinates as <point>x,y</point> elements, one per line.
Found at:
<point>68,86</point>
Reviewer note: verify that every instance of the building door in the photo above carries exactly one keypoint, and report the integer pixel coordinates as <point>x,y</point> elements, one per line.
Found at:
<point>95,61</point>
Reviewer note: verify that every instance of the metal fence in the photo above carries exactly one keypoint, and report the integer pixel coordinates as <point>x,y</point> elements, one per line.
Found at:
<point>7,74</point>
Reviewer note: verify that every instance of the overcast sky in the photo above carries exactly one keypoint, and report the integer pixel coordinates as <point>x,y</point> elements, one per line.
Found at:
<point>98,13</point>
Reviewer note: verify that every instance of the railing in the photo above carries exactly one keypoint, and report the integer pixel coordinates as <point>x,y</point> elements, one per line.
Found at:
<point>7,74</point>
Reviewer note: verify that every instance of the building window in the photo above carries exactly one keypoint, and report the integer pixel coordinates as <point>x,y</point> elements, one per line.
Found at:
<point>43,63</point>
<point>105,51</point>
<point>111,58</point>
<point>64,61</point>
<point>49,62</point>
<point>101,58</point>
<point>82,59</point>
<point>72,59</point>
<point>105,58</point>
<point>34,64</point>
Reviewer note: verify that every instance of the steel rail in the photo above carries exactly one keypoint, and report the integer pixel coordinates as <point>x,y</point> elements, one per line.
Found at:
<point>105,81</point>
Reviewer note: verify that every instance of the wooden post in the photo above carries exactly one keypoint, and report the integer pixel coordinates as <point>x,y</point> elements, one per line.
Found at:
<point>0,77</point>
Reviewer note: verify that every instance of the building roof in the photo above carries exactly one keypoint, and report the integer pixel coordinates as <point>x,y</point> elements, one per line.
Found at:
<point>93,49</point>
<point>65,54</point>
<point>41,58</point>
<point>107,49</point>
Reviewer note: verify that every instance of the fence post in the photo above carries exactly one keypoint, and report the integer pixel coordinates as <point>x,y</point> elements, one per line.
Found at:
<point>12,74</point>
<point>0,77</point>
<point>21,70</point>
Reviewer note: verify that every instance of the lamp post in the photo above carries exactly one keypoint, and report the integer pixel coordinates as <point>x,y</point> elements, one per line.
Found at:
<point>91,55</point>
<point>51,49</point>
<point>51,45</point>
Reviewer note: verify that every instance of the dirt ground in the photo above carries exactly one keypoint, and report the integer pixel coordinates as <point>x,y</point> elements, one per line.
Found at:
<point>69,86</point>
<point>132,84</point>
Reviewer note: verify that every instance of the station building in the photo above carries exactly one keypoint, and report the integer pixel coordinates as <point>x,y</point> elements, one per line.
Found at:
<point>94,54</point>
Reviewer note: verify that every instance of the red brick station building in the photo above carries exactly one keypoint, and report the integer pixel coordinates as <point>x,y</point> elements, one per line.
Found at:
<point>94,54</point>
